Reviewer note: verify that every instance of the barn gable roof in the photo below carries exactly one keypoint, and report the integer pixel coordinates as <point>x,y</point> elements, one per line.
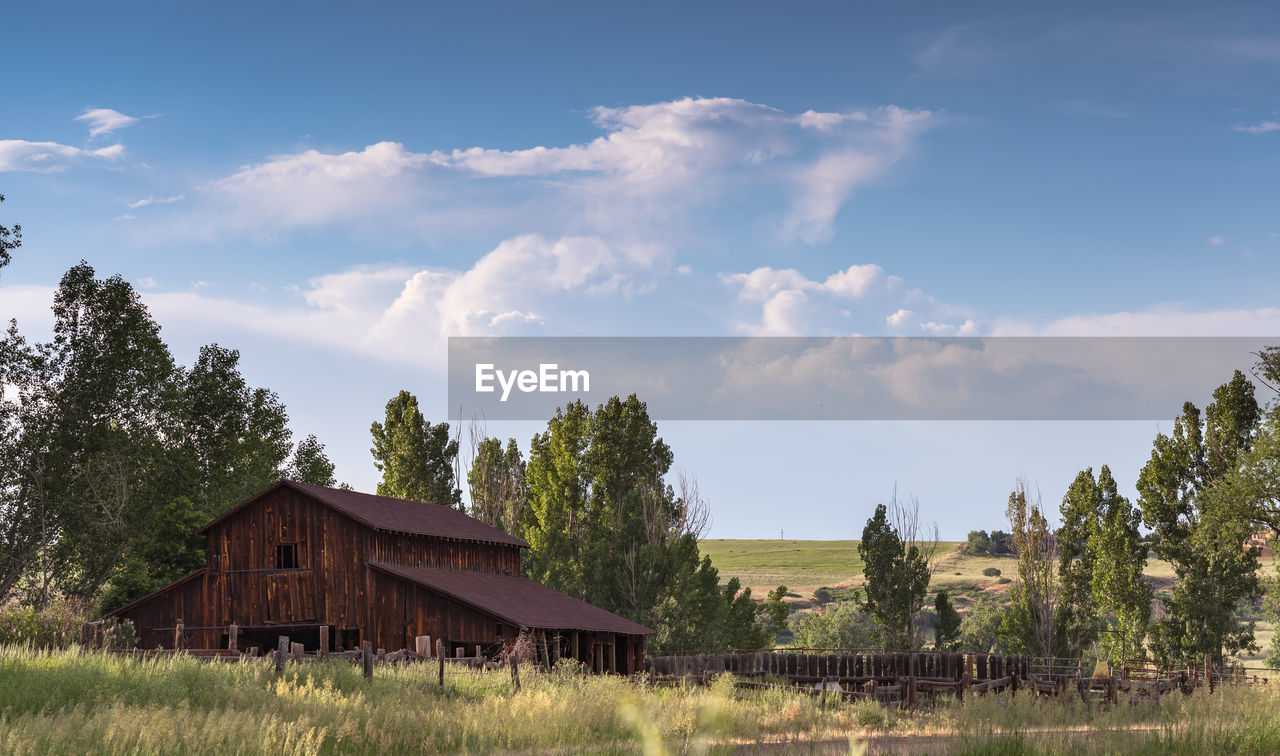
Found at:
<point>190,575</point>
<point>386,513</point>
<point>516,600</point>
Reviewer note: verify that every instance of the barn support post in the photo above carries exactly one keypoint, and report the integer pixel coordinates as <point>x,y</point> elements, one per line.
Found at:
<point>573,646</point>
<point>613,656</point>
<point>323,651</point>
<point>440,653</point>
<point>546,655</point>
<point>555,649</point>
<point>366,658</point>
<point>479,653</point>
<point>233,638</point>
<point>177,636</point>
<point>296,650</point>
<point>421,645</point>
<point>282,653</point>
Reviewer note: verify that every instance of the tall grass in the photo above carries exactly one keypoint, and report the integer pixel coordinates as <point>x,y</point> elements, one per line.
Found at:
<point>92,702</point>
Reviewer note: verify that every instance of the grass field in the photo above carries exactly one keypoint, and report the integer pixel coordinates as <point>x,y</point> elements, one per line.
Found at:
<point>93,703</point>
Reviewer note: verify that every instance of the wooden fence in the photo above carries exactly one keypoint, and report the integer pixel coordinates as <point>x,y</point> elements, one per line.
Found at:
<point>913,678</point>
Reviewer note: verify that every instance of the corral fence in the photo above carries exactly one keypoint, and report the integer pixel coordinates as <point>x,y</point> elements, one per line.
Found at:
<point>910,678</point>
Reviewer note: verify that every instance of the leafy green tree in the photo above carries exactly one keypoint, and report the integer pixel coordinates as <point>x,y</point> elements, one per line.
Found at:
<point>776,610</point>
<point>168,550</point>
<point>10,239</point>
<point>604,526</point>
<point>499,494</point>
<point>1078,617</point>
<point>310,464</point>
<point>978,543</point>
<point>106,402</point>
<point>1121,595</point>
<point>980,629</point>
<point>946,633</point>
<point>840,624</point>
<point>1271,610</point>
<point>415,457</point>
<point>235,439</point>
<point>1202,542</point>
<point>897,579</point>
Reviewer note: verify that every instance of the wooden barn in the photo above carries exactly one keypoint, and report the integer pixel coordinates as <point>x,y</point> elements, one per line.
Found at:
<point>298,557</point>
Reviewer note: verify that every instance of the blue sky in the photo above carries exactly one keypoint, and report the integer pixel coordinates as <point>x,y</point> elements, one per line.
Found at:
<point>334,191</point>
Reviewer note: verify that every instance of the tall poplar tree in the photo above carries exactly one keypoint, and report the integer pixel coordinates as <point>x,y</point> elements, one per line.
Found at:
<point>1216,575</point>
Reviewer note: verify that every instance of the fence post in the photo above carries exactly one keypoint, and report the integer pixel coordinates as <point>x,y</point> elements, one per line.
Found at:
<point>177,635</point>
<point>324,642</point>
<point>297,650</point>
<point>282,653</point>
<point>422,645</point>
<point>911,691</point>
<point>366,658</point>
<point>515,671</point>
<point>1208,672</point>
<point>233,638</point>
<point>1113,694</point>
<point>440,653</point>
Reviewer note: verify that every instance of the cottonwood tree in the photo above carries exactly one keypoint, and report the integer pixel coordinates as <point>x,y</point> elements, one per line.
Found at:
<point>1029,625</point>
<point>1196,533</point>
<point>310,464</point>
<point>113,455</point>
<point>416,458</point>
<point>897,564</point>
<point>496,480</point>
<point>10,239</point>
<point>604,526</point>
<point>1250,490</point>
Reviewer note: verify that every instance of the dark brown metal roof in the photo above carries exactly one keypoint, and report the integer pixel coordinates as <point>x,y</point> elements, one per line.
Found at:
<point>386,513</point>
<point>516,600</point>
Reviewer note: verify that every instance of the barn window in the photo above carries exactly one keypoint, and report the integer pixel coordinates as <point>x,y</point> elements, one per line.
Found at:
<point>286,556</point>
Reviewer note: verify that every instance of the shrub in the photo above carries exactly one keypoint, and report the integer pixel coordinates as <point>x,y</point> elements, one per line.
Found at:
<point>1003,581</point>
<point>991,572</point>
<point>119,634</point>
<point>57,625</point>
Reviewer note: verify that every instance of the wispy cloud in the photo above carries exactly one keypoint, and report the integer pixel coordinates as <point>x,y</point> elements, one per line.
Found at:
<point>1215,241</point>
<point>154,201</point>
<point>105,120</point>
<point>1265,127</point>
<point>48,157</point>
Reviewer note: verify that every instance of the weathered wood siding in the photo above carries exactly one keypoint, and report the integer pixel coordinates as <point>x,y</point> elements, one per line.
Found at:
<point>156,618</point>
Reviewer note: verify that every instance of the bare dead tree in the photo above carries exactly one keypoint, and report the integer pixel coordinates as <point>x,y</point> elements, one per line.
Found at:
<point>1037,548</point>
<point>695,511</point>
<point>917,535</point>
